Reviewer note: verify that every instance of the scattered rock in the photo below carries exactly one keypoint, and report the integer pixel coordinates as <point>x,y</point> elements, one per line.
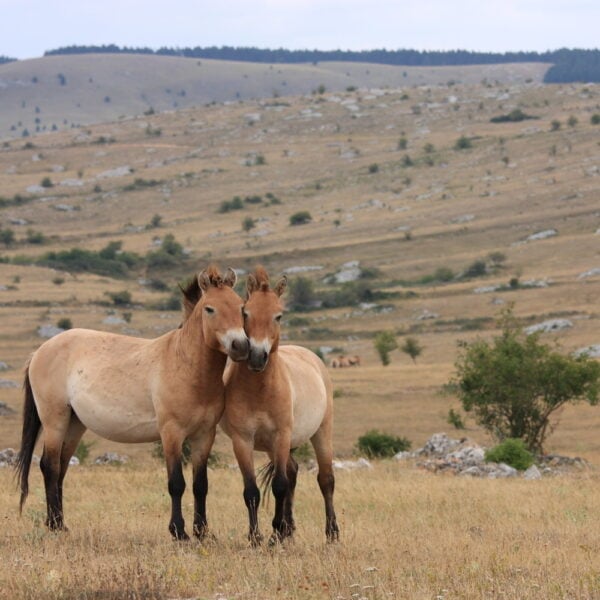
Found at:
<point>541,235</point>
<point>4,366</point>
<point>463,219</point>
<point>5,410</point>
<point>350,465</point>
<point>548,326</point>
<point>590,273</point>
<point>302,269</point>
<point>64,207</point>
<point>114,320</point>
<point>349,271</point>
<point>74,461</point>
<point>487,289</point>
<point>592,351</point>
<point>8,457</point>
<point>118,172</point>
<point>426,314</point>
<point>111,458</point>
<point>48,331</point>
<point>7,383</point>
<point>532,473</point>
<point>17,221</point>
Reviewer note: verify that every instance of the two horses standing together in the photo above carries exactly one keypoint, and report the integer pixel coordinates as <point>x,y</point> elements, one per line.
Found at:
<point>179,386</point>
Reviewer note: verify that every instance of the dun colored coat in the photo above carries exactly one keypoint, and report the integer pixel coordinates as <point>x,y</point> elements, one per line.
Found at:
<point>129,389</point>
<point>281,399</point>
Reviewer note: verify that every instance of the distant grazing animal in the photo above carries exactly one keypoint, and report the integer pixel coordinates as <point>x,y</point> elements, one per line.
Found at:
<point>282,398</point>
<point>345,361</point>
<point>129,389</point>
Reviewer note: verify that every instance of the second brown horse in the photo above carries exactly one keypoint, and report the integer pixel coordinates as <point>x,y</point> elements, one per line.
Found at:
<point>282,398</point>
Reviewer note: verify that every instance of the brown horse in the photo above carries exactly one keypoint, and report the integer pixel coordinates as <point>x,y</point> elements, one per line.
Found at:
<point>132,390</point>
<point>280,400</point>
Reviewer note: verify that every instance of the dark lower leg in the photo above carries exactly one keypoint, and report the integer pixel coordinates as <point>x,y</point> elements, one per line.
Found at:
<point>200,487</point>
<point>176,489</point>
<point>50,467</point>
<point>292,475</point>
<point>327,483</point>
<point>281,528</point>
<point>252,500</point>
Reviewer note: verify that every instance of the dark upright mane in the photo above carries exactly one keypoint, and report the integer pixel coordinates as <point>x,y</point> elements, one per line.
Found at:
<point>191,294</point>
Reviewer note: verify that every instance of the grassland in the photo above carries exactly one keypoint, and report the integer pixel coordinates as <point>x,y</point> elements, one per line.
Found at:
<point>427,536</point>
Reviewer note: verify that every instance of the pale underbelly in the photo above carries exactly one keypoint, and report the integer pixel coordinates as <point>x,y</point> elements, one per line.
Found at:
<point>117,419</point>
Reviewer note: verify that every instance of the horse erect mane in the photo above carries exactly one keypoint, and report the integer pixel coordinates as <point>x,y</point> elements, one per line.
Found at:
<point>262,278</point>
<point>191,294</point>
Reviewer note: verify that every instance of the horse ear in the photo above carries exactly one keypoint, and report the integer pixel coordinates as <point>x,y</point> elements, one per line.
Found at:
<point>281,286</point>
<point>251,284</point>
<point>230,277</point>
<point>203,280</point>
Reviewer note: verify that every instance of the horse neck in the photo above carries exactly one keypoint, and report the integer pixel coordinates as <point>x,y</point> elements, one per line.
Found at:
<point>191,345</point>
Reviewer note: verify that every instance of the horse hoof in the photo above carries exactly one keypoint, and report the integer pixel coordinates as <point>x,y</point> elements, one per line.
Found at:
<point>255,539</point>
<point>204,535</point>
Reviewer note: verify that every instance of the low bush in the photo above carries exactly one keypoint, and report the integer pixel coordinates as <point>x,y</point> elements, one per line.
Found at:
<point>300,218</point>
<point>65,323</point>
<point>375,444</point>
<point>512,452</point>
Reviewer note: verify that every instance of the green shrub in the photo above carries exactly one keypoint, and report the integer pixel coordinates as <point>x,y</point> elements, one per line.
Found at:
<point>65,323</point>
<point>595,119</point>
<point>463,143</point>
<point>35,237</point>
<point>122,298</point>
<point>412,347</point>
<point>46,182</point>
<point>373,168</point>
<point>375,444</point>
<point>82,451</point>
<point>304,453</point>
<point>300,218</point>
<point>513,116</point>
<point>511,452</point>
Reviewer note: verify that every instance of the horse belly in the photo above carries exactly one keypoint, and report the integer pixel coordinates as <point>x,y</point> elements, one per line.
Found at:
<point>307,420</point>
<point>114,414</point>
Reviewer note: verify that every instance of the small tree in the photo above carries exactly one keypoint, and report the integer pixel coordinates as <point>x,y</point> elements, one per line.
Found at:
<point>412,347</point>
<point>385,342</point>
<point>7,237</point>
<point>301,293</point>
<point>515,384</point>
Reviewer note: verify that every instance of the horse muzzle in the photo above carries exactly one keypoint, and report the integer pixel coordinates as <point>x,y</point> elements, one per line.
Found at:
<point>239,349</point>
<point>258,359</point>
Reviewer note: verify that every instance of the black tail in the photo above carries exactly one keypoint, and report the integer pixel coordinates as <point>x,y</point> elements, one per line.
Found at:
<point>31,431</point>
<point>265,480</point>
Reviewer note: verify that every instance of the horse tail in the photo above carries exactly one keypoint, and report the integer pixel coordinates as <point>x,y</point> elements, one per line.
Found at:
<point>31,432</point>
<point>265,479</point>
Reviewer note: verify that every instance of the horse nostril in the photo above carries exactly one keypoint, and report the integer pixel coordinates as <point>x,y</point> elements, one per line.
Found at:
<point>265,356</point>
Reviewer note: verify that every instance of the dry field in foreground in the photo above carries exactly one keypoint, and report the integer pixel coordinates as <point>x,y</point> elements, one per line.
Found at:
<point>405,534</point>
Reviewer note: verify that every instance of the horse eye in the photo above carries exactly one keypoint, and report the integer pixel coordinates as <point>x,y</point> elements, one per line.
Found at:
<point>278,318</point>
<point>244,314</point>
<point>209,309</point>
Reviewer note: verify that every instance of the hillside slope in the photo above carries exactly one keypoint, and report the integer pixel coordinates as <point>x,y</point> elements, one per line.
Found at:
<point>61,92</point>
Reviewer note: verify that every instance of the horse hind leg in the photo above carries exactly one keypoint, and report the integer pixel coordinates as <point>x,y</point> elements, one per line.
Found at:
<point>321,442</point>
<point>288,506</point>
<point>50,465</point>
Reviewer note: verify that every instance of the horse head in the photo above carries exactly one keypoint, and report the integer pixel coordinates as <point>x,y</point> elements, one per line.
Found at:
<point>262,316</point>
<point>209,299</point>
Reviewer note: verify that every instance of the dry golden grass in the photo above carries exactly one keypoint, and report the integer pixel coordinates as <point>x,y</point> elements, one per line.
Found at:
<point>404,534</point>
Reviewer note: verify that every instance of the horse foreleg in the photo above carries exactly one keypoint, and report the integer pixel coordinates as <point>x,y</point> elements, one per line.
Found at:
<point>292,475</point>
<point>321,442</point>
<point>201,446</point>
<point>74,432</point>
<point>243,450</point>
<point>280,487</point>
<point>172,444</point>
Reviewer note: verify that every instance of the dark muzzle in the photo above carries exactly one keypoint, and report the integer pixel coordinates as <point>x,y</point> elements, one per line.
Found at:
<point>239,350</point>
<point>258,359</point>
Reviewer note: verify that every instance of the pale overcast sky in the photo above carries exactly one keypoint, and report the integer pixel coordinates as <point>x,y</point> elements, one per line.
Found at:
<point>29,27</point>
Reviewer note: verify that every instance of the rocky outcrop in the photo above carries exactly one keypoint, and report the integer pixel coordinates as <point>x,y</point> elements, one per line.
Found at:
<point>466,458</point>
